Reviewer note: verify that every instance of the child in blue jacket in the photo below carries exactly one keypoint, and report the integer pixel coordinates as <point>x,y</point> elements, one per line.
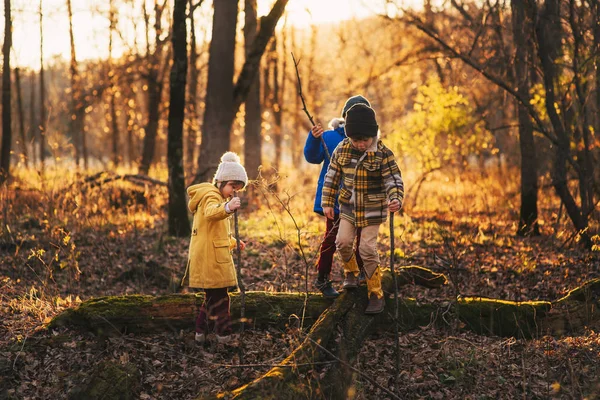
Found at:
<point>315,153</point>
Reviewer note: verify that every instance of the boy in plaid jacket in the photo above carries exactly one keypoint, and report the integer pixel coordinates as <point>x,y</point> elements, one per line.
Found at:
<point>364,172</point>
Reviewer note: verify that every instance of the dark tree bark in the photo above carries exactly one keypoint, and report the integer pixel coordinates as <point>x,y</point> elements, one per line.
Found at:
<point>6,97</point>
<point>193,123</point>
<point>583,109</point>
<point>251,66</point>
<point>219,111</point>
<point>113,89</point>
<point>42,124</point>
<point>253,116</point>
<point>522,29</point>
<point>595,6</point>
<point>154,79</point>
<point>32,120</point>
<point>278,93</point>
<point>298,134</point>
<point>77,107</point>
<point>179,224</point>
<point>131,120</point>
<point>217,123</point>
<point>21,116</point>
<point>548,33</point>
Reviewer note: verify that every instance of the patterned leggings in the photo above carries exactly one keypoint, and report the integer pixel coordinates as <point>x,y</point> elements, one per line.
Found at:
<point>214,313</point>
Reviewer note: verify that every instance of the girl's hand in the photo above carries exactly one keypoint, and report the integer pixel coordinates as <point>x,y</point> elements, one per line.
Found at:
<point>394,205</point>
<point>234,204</point>
<point>317,131</point>
<point>328,211</point>
<point>242,245</point>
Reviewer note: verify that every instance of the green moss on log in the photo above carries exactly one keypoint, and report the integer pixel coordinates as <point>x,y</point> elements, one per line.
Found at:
<point>503,318</point>
<point>118,314</point>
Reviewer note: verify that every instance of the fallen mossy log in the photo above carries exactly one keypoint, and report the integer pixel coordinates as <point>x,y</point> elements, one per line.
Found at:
<point>571,313</point>
<point>113,315</point>
<point>529,319</point>
<point>290,379</point>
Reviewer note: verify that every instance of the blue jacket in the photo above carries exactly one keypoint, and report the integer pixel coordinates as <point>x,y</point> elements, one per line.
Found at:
<point>314,153</point>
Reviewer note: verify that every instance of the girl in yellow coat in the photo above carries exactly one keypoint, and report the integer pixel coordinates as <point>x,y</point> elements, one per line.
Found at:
<point>210,263</point>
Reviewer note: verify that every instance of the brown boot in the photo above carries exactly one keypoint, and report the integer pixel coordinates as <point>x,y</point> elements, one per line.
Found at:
<point>375,305</point>
<point>350,281</point>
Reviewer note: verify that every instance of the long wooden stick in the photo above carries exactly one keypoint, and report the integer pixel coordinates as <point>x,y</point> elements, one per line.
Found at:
<point>239,268</point>
<point>312,121</point>
<point>396,312</point>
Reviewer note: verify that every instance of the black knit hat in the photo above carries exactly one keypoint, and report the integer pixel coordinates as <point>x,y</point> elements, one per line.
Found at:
<point>361,122</point>
<point>358,99</point>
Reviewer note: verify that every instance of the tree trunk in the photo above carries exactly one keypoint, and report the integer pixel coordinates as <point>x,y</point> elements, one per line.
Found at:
<point>584,111</point>
<point>253,116</point>
<point>252,64</point>
<point>21,116</point>
<point>6,97</point>
<point>32,131</point>
<point>298,135</point>
<point>42,125</point>
<point>522,29</point>
<point>276,106</point>
<point>154,80</point>
<point>179,224</point>
<point>131,120</point>
<point>113,89</point>
<point>219,111</point>
<point>74,123</point>
<point>548,33</point>
<point>193,123</point>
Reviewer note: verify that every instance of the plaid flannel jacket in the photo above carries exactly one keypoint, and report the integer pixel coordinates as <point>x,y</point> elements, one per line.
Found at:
<point>368,180</point>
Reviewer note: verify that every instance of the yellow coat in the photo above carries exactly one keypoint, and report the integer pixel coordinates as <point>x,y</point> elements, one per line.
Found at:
<point>210,262</point>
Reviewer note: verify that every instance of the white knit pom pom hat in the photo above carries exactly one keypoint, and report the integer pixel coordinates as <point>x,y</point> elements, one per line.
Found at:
<point>231,169</point>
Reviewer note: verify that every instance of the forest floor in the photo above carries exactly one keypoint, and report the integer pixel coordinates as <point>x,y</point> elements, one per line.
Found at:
<point>63,242</point>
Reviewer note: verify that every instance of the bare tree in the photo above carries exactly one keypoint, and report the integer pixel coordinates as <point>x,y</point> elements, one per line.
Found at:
<point>218,115</point>
<point>32,122</point>
<point>76,121</point>
<point>6,96</point>
<point>192,89</point>
<point>222,104</point>
<point>521,18</point>
<point>154,77</point>
<point>21,117</point>
<point>253,116</point>
<point>113,87</point>
<point>178,218</point>
<point>562,123</point>
<point>42,124</point>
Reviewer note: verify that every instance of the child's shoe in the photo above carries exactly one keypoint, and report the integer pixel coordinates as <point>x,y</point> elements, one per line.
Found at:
<point>200,338</point>
<point>350,281</point>
<point>375,305</point>
<point>326,289</point>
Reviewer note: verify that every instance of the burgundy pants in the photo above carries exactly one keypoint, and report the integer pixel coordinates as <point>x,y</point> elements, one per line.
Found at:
<point>327,249</point>
<point>214,313</point>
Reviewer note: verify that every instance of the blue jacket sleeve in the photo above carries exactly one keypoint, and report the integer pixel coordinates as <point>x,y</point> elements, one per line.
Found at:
<point>313,150</point>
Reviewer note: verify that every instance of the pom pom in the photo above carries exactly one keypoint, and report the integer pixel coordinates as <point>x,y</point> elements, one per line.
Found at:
<point>230,156</point>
